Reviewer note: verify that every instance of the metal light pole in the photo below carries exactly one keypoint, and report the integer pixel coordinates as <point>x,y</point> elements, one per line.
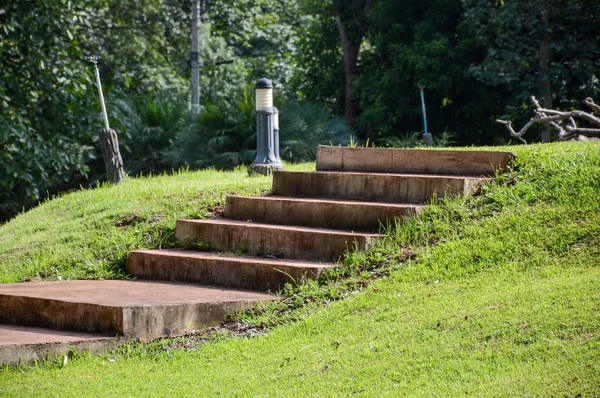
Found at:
<point>426,135</point>
<point>109,142</point>
<point>266,160</point>
<point>195,57</point>
<point>94,59</point>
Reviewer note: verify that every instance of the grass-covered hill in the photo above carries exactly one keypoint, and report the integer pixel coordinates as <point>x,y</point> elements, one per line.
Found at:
<point>87,234</point>
<point>496,295</point>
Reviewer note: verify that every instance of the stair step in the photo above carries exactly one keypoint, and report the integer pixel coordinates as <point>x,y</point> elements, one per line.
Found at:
<point>20,344</point>
<point>212,269</point>
<point>272,240</point>
<point>376,187</point>
<point>323,213</point>
<point>134,309</point>
<point>425,161</point>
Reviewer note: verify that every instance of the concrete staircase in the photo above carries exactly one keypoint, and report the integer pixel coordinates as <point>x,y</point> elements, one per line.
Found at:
<point>311,220</point>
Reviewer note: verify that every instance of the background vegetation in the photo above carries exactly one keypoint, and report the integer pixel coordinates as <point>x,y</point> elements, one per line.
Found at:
<point>341,69</point>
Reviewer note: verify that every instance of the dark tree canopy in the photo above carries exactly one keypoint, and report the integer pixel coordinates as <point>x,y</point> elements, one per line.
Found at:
<point>364,60</point>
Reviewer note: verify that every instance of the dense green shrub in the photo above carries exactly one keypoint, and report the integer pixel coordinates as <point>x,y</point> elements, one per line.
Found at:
<point>158,133</point>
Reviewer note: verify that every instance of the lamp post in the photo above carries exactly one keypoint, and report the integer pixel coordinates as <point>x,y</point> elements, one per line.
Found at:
<point>266,160</point>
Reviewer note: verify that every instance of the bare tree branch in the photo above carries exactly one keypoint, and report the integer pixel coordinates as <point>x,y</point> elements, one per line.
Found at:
<point>562,121</point>
<point>595,107</point>
<point>510,128</point>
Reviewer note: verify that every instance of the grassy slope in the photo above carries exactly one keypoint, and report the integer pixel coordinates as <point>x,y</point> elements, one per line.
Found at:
<point>87,234</point>
<point>507,303</point>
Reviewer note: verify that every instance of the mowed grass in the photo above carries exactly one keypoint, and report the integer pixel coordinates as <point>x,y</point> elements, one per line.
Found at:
<point>502,298</point>
<point>87,234</point>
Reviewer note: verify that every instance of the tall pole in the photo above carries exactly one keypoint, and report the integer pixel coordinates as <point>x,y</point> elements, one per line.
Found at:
<point>94,59</point>
<point>195,57</point>
<point>109,142</point>
<point>426,136</point>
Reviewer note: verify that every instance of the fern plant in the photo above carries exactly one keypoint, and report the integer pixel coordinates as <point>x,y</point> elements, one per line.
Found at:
<point>149,127</point>
<point>304,126</point>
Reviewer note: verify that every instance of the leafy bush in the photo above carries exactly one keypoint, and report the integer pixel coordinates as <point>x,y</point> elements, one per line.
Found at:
<point>159,133</point>
<point>306,125</point>
<point>149,127</point>
<point>46,94</point>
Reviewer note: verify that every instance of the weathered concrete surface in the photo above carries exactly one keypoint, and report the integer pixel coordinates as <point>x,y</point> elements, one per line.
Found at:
<point>26,344</point>
<point>321,213</point>
<point>376,187</point>
<point>133,309</point>
<point>212,269</point>
<point>272,240</point>
<point>397,160</point>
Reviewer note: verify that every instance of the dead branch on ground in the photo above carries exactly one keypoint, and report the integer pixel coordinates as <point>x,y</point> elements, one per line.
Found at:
<point>562,121</point>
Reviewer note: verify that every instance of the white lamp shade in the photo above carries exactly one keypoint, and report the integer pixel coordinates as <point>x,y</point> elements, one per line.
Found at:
<point>264,98</point>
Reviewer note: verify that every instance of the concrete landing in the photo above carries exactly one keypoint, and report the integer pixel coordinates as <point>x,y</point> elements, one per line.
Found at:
<point>320,213</point>
<point>400,160</point>
<point>253,273</point>
<point>373,187</point>
<point>27,344</point>
<point>279,241</point>
<point>132,309</point>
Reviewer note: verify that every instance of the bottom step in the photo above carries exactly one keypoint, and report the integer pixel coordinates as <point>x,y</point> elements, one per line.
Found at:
<point>133,309</point>
<point>239,272</point>
<point>20,344</point>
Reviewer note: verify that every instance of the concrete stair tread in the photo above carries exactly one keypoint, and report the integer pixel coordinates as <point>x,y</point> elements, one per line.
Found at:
<point>353,215</point>
<point>413,160</point>
<point>372,187</point>
<point>275,198</point>
<point>237,223</point>
<point>388,173</point>
<point>296,263</point>
<point>240,272</point>
<point>127,293</point>
<point>17,335</point>
<point>263,240</point>
<point>133,309</point>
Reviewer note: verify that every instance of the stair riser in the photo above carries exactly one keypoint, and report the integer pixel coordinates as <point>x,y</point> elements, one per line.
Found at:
<point>60,315</point>
<point>396,160</point>
<point>221,272</point>
<point>34,345</point>
<point>147,323</point>
<point>140,322</point>
<point>259,241</point>
<point>355,217</point>
<point>371,187</point>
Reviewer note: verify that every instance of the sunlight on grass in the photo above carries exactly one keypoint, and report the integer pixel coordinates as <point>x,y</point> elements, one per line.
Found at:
<point>495,295</point>
<point>87,234</point>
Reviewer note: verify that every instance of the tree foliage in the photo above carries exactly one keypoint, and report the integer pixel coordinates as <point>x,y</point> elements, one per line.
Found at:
<point>262,33</point>
<point>44,102</point>
<point>477,60</point>
<point>509,36</point>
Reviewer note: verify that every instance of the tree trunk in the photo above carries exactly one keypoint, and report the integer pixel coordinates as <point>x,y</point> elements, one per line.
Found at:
<point>109,143</point>
<point>350,54</point>
<point>544,60</point>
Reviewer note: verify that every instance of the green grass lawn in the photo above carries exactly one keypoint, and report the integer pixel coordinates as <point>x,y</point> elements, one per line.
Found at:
<point>87,234</point>
<point>501,296</point>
